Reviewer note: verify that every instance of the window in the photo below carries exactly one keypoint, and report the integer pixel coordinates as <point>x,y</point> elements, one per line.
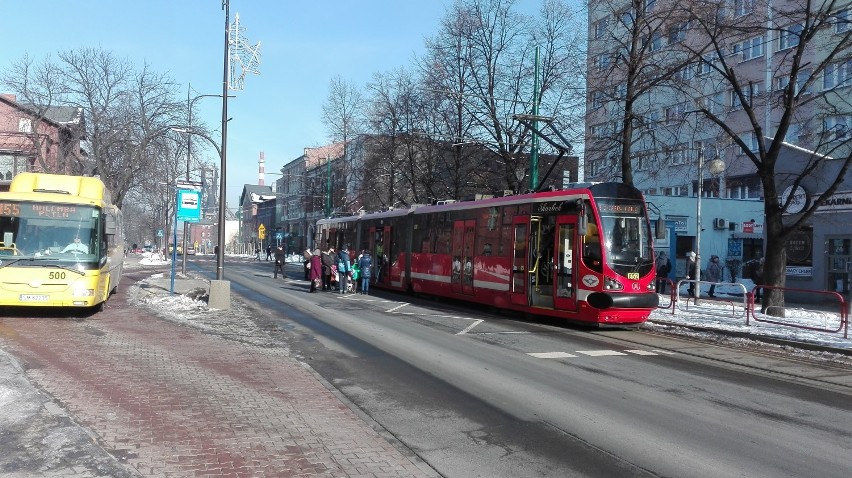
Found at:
<point>743,7</point>
<point>649,5</point>
<point>837,74</point>
<point>675,113</point>
<point>597,99</point>
<point>781,82</point>
<point>794,132</point>
<point>751,143</point>
<point>602,61</point>
<point>837,127</point>
<point>627,19</point>
<point>803,76</point>
<point>653,119</point>
<point>601,28</point>
<point>677,154</point>
<point>705,66</point>
<point>712,103</point>
<point>25,125</point>
<point>751,91</point>
<point>790,37</point>
<point>750,49</point>
<point>656,41</point>
<point>677,32</point>
<point>842,21</point>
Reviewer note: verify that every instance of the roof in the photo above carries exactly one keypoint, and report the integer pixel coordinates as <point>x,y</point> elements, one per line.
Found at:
<point>256,194</point>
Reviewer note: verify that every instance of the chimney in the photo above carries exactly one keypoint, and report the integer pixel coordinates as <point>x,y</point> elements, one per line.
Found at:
<point>261,170</point>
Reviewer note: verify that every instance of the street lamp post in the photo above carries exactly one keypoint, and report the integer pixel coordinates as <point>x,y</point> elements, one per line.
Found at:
<point>716,166</point>
<point>189,103</point>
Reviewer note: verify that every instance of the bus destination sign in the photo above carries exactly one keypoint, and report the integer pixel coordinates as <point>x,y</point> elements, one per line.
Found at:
<point>46,210</point>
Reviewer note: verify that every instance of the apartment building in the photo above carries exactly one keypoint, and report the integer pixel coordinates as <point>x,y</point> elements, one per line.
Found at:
<point>683,83</point>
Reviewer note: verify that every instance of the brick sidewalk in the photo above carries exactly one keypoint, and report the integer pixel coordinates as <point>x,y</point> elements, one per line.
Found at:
<point>169,400</point>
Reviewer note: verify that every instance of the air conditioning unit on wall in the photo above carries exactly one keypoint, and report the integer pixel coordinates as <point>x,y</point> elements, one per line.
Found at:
<point>720,223</point>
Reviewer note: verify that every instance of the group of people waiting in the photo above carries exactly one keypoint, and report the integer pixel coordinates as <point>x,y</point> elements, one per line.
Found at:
<point>712,274</point>
<point>330,268</point>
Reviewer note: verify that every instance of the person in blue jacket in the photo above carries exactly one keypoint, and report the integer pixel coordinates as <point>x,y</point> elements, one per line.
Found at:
<point>344,267</point>
<point>365,263</point>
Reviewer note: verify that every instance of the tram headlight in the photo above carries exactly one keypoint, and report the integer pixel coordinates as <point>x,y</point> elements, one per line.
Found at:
<point>651,286</point>
<point>612,284</point>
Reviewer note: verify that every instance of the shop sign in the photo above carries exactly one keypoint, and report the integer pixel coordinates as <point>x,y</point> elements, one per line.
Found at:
<point>752,228</point>
<point>841,201</point>
<point>800,271</point>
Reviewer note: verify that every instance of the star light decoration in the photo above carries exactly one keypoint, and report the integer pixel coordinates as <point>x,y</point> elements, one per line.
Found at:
<point>243,57</point>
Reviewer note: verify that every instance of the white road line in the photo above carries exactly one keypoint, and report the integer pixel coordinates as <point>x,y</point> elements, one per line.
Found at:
<point>642,352</point>
<point>397,307</point>
<point>469,327</point>
<point>548,355</point>
<point>667,352</point>
<point>600,353</point>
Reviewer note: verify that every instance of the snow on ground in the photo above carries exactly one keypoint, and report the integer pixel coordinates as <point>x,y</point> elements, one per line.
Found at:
<point>721,320</point>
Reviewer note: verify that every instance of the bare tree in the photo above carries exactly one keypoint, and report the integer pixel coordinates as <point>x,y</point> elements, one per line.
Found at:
<point>482,60</point>
<point>810,46</point>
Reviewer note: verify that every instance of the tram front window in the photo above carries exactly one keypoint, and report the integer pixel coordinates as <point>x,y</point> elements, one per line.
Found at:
<point>626,241</point>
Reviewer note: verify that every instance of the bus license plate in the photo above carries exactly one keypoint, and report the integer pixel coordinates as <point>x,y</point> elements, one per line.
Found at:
<point>34,298</point>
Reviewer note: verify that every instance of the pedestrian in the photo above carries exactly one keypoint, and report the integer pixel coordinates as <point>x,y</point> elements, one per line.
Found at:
<point>365,264</point>
<point>268,252</point>
<point>756,276</point>
<point>315,270</point>
<point>714,274</point>
<point>257,253</point>
<point>306,263</point>
<point>344,267</point>
<point>352,287</point>
<point>328,260</point>
<point>279,262</point>
<point>690,273</point>
<point>664,267</point>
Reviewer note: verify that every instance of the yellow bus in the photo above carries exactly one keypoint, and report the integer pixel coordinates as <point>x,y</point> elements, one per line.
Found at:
<point>61,242</point>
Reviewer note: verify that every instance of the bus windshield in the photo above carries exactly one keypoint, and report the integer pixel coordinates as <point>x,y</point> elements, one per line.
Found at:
<point>57,233</point>
<point>625,235</point>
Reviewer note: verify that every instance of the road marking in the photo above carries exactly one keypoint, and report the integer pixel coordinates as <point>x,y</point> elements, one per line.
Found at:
<point>667,352</point>
<point>600,353</point>
<point>642,352</point>
<point>474,324</point>
<point>550,355</point>
<point>398,307</point>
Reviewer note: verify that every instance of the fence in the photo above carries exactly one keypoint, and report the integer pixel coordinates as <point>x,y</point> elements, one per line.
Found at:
<point>801,317</point>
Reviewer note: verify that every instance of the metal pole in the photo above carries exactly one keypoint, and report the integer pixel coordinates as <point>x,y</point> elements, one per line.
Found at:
<point>174,248</point>
<point>328,187</point>
<point>534,148</point>
<point>188,159</point>
<point>697,287</point>
<point>220,259</point>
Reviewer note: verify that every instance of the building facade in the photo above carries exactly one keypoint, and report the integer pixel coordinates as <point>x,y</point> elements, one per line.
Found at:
<point>683,83</point>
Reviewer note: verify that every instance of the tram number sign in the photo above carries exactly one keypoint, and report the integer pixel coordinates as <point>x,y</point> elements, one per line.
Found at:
<point>633,275</point>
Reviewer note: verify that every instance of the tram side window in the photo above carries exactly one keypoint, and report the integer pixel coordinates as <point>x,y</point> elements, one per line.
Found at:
<point>592,245</point>
<point>487,236</point>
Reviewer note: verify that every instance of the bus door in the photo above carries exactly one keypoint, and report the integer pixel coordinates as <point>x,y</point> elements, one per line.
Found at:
<point>520,244</point>
<point>464,233</point>
<point>541,259</point>
<point>565,286</point>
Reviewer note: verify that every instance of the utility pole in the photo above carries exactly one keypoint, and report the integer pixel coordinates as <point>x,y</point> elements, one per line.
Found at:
<point>534,147</point>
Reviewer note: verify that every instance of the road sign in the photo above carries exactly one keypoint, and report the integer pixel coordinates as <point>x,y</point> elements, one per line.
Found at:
<point>189,205</point>
<point>261,232</point>
<point>279,236</point>
<point>159,233</point>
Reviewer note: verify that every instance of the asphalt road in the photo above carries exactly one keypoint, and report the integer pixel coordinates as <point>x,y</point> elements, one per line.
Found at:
<point>482,394</point>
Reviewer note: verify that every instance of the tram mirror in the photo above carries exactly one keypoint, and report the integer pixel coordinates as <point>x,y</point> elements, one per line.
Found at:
<point>660,227</point>
<point>582,220</point>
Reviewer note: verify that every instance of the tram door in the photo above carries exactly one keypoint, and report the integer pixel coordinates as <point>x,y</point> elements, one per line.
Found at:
<point>464,233</point>
<point>565,287</point>
<point>520,244</point>
<point>380,238</point>
<point>541,261</point>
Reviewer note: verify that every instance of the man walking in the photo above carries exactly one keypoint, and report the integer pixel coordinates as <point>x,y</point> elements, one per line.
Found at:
<point>279,262</point>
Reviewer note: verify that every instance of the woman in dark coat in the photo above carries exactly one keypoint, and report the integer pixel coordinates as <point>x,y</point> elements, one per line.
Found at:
<point>315,274</point>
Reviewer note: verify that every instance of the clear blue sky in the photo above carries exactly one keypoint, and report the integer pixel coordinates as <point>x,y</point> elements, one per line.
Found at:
<point>303,46</point>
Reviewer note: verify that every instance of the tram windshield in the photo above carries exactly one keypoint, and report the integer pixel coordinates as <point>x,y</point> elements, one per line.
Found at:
<point>626,236</point>
<point>38,233</point>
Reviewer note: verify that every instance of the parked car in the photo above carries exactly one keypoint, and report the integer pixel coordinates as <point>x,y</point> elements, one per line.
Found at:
<point>190,251</point>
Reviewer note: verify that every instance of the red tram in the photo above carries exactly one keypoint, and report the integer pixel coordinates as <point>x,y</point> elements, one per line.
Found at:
<point>583,254</point>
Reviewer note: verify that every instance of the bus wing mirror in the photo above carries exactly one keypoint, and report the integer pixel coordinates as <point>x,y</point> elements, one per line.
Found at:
<point>660,227</point>
<point>110,225</point>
